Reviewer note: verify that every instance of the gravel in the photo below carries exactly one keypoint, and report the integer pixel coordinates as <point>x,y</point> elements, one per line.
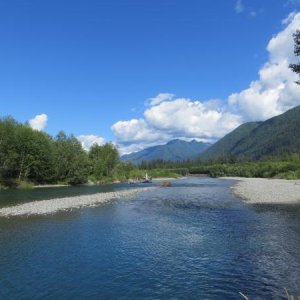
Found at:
<point>45,207</point>
<point>262,190</point>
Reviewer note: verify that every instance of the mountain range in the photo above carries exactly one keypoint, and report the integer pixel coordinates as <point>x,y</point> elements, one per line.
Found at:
<point>277,136</point>
<point>175,150</point>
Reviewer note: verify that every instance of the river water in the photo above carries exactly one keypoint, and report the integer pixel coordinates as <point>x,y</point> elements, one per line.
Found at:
<point>193,240</point>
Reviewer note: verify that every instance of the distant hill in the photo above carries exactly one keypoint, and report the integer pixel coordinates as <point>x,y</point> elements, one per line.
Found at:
<point>175,150</point>
<point>277,136</point>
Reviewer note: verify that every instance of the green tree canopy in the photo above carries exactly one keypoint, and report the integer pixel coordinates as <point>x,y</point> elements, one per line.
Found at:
<point>25,154</point>
<point>71,160</point>
<point>103,160</point>
<point>296,67</point>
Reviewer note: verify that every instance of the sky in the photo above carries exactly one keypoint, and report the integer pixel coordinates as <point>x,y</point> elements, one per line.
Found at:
<point>142,72</point>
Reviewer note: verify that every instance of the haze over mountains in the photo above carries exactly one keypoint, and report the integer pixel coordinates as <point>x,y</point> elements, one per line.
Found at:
<point>277,136</point>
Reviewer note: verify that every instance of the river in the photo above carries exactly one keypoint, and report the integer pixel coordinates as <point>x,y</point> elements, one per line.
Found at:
<point>193,240</point>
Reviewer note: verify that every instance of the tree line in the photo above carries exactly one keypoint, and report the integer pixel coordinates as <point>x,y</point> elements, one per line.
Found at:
<point>285,166</point>
<point>28,155</point>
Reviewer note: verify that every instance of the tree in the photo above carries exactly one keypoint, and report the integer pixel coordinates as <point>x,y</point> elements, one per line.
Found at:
<point>25,154</point>
<point>35,160</point>
<point>71,160</point>
<point>103,160</point>
<point>296,67</point>
<point>8,152</point>
<point>122,170</point>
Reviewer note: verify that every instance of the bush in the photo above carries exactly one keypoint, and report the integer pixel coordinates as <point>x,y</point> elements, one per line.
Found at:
<point>25,185</point>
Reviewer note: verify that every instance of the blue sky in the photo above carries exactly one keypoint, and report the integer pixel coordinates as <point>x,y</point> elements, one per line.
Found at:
<point>88,65</point>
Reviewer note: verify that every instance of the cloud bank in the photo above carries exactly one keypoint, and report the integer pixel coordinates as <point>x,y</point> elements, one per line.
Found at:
<point>167,117</point>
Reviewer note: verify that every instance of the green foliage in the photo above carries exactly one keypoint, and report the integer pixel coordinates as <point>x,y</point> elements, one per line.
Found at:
<point>25,154</point>
<point>286,169</point>
<point>71,161</point>
<point>35,159</point>
<point>25,185</point>
<point>160,173</point>
<point>296,67</point>
<point>103,160</point>
<point>122,171</point>
<point>29,157</point>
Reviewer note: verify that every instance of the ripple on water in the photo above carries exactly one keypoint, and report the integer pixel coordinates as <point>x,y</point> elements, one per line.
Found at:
<point>191,241</point>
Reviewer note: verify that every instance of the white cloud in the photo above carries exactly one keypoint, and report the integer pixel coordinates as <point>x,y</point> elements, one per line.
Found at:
<point>179,118</point>
<point>239,7</point>
<point>129,148</point>
<point>271,94</point>
<point>137,131</point>
<point>39,122</point>
<point>275,91</point>
<point>160,98</point>
<point>184,117</point>
<point>87,141</point>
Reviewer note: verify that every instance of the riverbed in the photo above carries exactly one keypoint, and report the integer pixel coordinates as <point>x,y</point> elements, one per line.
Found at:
<point>194,240</point>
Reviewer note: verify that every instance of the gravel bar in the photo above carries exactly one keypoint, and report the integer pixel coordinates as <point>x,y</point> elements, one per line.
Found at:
<point>262,190</point>
<point>45,207</point>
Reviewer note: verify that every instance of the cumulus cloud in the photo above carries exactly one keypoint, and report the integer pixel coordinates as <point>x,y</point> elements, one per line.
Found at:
<point>275,91</point>
<point>184,117</point>
<point>39,122</point>
<point>87,141</point>
<point>167,117</point>
<point>179,118</point>
<point>136,134</point>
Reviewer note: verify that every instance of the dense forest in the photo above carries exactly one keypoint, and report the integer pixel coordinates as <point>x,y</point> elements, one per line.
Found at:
<point>30,156</point>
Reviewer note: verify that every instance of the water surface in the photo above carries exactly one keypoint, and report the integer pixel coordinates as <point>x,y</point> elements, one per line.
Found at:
<point>191,241</point>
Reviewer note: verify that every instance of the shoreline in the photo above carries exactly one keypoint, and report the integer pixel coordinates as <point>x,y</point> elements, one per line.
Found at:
<point>266,190</point>
<point>39,186</point>
<point>167,178</point>
<point>46,207</point>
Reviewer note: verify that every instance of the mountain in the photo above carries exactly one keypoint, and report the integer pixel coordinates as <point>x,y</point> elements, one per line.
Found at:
<point>226,145</point>
<point>175,150</point>
<point>277,136</point>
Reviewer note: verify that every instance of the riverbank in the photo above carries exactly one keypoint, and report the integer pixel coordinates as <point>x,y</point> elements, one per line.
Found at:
<point>49,186</point>
<point>45,207</point>
<point>167,178</point>
<point>262,190</point>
